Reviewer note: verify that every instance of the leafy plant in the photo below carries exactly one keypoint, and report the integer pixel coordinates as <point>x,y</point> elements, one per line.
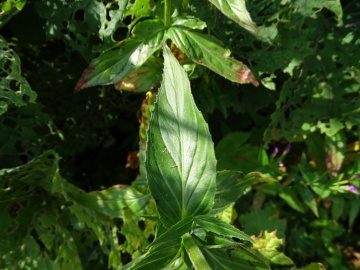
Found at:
<point>287,157</point>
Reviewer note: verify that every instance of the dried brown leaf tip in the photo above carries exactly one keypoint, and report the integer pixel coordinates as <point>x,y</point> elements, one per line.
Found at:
<point>82,82</point>
<point>246,76</point>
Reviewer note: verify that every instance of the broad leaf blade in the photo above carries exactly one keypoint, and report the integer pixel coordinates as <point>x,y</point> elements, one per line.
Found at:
<point>128,55</point>
<point>236,11</point>
<point>220,227</point>
<point>180,159</point>
<point>208,51</point>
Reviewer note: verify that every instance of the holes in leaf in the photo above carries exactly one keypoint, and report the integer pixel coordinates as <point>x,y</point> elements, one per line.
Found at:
<point>25,98</point>
<point>13,85</point>
<point>79,15</point>
<point>120,33</point>
<point>7,65</point>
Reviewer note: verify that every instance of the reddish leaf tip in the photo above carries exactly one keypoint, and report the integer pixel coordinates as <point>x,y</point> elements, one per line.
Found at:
<point>82,82</point>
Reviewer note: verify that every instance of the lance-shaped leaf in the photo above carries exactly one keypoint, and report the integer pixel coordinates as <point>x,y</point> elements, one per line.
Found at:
<point>159,256</point>
<point>210,52</point>
<point>128,55</point>
<point>220,227</point>
<point>180,159</point>
<point>236,11</point>
<point>193,251</point>
<point>113,201</point>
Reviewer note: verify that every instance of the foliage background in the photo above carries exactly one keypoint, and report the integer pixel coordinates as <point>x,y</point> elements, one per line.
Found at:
<point>306,56</point>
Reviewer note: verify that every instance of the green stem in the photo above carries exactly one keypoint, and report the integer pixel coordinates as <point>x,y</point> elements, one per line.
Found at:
<point>167,22</point>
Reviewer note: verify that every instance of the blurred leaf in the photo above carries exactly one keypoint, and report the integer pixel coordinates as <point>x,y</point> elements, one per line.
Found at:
<point>113,201</point>
<point>233,154</point>
<point>236,10</point>
<point>14,88</point>
<point>292,199</point>
<point>311,8</point>
<point>9,9</point>
<point>311,266</point>
<point>309,199</point>
<point>180,159</point>
<point>264,219</point>
<point>268,245</point>
<point>208,51</point>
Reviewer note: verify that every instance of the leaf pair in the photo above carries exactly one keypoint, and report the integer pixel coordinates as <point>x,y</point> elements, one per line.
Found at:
<point>128,65</point>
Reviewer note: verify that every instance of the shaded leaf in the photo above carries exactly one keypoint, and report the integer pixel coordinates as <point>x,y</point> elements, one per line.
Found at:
<point>14,88</point>
<point>220,227</point>
<point>180,159</point>
<point>128,55</point>
<point>193,251</point>
<point>208,51</point>
<point>113,201</point>
<point>175,231</point>
<point>159,256</point>
<point>144,78</point>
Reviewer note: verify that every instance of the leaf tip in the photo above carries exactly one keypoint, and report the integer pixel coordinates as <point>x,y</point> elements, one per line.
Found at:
<point>246,76</point>
<point>82,82</point>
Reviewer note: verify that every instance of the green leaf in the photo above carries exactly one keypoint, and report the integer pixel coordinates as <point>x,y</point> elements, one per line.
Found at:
<point>113,201</point>
<point>189,22</point>
<point>311,8</point>
<point>159,256</point>
<point>128,55</point>
<point>292,199</point>
<point>193,251</point>
<point>236,11</point>
<point>208,51</point>
<point>264,219</point>
<point>38,172</point>
<point>268,244</point>
<point>229,259</point>
<point>175,231</point>
<point>14,88</point>
<point>144,78</point>
<point>228,189</point>
<point>10,8</point>
<point>234,154</point>
<point>311,266</point>
<point>180,158</point>
<point>309,199</point>
<point>220,227</point>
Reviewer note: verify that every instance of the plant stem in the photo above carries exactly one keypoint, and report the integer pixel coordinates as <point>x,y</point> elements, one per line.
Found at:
<point>167,14</point>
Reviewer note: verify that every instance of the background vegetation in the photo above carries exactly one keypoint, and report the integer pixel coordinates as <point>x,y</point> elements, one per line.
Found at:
<point>58,148</point>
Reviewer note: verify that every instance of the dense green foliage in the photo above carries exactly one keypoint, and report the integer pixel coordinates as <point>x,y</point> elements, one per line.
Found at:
<point>271,147</point>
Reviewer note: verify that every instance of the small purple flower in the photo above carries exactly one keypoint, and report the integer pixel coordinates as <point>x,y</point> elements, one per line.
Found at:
<point>352,189</point>
<point>276,151</point>
<point>287,149</point>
